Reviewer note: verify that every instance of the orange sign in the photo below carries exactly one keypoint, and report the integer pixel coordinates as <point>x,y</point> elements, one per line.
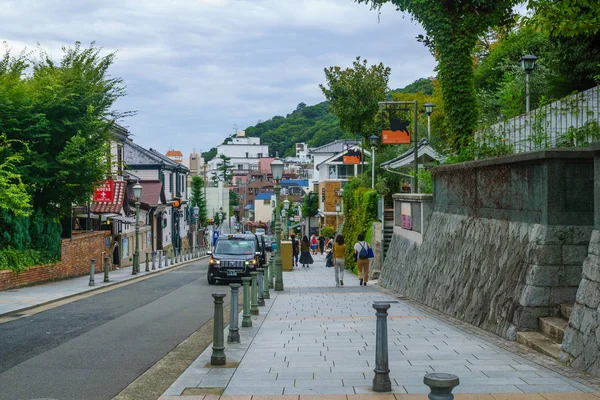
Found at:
<point>351,159</point>
<point>395,137</point>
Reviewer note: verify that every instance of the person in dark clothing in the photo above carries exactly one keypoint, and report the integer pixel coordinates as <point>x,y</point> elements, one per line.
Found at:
<point>322,244</point>
<point>116,255</point>
<point>305,257</point>
<point>295,250</point>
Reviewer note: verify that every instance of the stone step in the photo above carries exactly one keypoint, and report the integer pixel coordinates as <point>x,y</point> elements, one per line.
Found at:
<point>539,342</point>
<point>554,327</point>
<point>565,310</point>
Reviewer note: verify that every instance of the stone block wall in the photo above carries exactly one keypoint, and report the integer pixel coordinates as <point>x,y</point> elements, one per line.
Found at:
<point>75,261</point>
<point>505,243</point>
<point>581,343</point>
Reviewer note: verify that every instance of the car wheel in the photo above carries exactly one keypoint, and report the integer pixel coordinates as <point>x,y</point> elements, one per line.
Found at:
<point>211,280</point>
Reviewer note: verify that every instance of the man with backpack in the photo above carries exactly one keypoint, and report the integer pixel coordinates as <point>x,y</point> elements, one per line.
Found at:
<point>361,255</point>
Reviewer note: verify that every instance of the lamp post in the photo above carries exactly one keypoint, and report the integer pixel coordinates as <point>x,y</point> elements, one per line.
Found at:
<point>528,65</point>
<point>428,111</point>
<point>373,139</point>
<point>221,216</point>
<point>286,207</point>
<point>337,216</point>
<point>277,171</point>
<point>137,194</point>
<point>196,217</point>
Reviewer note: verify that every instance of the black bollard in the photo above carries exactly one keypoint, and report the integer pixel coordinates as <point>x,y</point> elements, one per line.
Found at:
<point>441,385</point>
<point>147,262</point>
<point>92,272</point>
<point>218,354</point>
<point>106,269</point>
<point>381,381</point>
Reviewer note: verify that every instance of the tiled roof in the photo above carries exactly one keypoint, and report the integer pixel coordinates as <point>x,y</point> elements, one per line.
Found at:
<point>174,153</point>
<point>407,158</point>
<point>335,147</point>
<point>152,193</point>
<point>116,205</point>
<point>136,155</point>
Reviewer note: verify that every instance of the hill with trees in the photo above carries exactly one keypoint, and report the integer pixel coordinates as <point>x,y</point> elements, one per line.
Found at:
<point>314,125</point>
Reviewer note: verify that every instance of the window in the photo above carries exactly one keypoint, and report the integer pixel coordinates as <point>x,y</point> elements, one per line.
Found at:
<point>259,155</point>
<point>246,154</point>
<point>119,159</point>
<point>240,166</point>
<point>250,191</point>
<point>171,183</point>
<point>255,190</point>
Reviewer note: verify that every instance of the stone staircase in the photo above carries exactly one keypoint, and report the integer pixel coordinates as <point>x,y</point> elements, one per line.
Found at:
<point>549,340</point>
<point>388,228</point>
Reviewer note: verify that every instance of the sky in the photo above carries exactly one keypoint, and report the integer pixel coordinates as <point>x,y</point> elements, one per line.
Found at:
<point>197,69</point>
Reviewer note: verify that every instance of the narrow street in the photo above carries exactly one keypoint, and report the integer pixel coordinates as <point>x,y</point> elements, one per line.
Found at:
<point>94,347</point>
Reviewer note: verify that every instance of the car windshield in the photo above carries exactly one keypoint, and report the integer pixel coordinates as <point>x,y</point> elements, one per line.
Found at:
<point>235,247</point>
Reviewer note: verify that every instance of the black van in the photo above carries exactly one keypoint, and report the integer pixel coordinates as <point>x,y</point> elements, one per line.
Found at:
<point>234,257</point>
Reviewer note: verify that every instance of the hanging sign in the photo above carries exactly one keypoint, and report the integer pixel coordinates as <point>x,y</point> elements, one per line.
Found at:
<point>105,193</point>
<point>397,134</point>
<point>352,157</point>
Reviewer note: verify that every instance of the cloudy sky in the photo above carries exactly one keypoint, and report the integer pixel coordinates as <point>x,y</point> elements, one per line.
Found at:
<point>194,69</point>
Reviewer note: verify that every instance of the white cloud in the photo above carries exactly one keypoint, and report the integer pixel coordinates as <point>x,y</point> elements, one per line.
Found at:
<point>196,68</point>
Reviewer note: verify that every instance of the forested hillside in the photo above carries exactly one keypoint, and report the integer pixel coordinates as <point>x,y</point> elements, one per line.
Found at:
<point>314,125</point>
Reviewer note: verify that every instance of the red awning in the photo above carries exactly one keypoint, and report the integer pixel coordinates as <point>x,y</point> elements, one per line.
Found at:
<point>114,206</point>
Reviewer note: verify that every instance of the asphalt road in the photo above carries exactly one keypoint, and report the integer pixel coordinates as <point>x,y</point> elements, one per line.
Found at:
<point>94,347</point>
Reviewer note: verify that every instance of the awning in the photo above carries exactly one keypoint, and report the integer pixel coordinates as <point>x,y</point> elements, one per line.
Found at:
<point>114,206</point>
<point>249,207</point>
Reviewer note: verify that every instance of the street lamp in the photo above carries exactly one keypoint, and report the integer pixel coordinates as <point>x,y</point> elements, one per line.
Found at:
<point>137,194</point>
<point>286,207</point>
<point>221,217</point>
<point>373,139</point>
<point>428,111</point>
<point>277,171</point>
<point>527,65</point>
<point>197,220</point>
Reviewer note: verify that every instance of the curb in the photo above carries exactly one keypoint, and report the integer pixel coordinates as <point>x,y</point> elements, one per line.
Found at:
<point>111,285</point>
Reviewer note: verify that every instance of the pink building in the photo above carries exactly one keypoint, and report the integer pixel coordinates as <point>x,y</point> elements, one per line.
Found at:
<point>264,164</point>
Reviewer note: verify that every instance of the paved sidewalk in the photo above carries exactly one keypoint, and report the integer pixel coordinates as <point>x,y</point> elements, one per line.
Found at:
<point>316,339</point>
<point>20,299</point>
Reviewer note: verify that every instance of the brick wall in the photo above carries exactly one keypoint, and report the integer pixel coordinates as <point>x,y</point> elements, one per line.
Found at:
<point>75,261</point>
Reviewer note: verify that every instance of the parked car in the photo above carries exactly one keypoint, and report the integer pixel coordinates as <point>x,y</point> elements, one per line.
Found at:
<point>260,231</point>
<point>268,243</point>
<point>234,257</point>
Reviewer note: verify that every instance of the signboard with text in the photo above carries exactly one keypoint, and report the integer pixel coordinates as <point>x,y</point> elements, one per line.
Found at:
<point>105,193</point>
<point>406,216</point>
<point>395,137</point>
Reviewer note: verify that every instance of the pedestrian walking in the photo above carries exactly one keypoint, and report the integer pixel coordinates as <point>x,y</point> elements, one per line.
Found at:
<point>322,243</point>
<point>362,253</point>
<point>339,253</point>
<point>295,250</point>
<point>313,244</point>
<point>330,243</point>
<point>116,255</point>
<point>305,257</point>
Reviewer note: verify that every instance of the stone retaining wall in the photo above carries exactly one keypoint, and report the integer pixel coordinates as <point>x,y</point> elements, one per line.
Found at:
<point>505,242</point>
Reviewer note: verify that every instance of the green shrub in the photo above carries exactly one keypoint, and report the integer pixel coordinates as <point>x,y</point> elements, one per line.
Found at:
<point>328,231</point>
<point>19,260</point>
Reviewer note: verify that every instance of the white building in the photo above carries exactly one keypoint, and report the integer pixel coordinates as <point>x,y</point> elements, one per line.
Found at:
<point>302,152</point>
<point>244,152</point>
<point>217,198</point>
<point>263,207</point>
<point>329,161</point>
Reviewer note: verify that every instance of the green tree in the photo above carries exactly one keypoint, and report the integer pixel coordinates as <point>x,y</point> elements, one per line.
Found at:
<point>453,28</point>
<point>567,18</point>
<point>64,119</point>
<point>15,197</point>
<point>197,198</point>
<point>225,168</point>
<point>354,94</point>
<point>234,200</point>
<point>310,205</point>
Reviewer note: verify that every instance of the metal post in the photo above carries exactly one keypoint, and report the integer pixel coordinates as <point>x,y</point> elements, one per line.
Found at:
<point>272,269</point>
<point>218,354</point>
<point>428,126</point>
<point>441,385</point>
<point>372,167</point>
<point>160,258</point>
<point>136,255</point>
<point>234,330</point>
<point>254,299</point>
<point>147,262</point>
<point>153,261</point>
<point>92,272</point>
<point>527,92</point>
<point>414,185</point>
<point>266,294</point>
<point>278,267</point>
<point>246,318</point>
<point>167,257</point>
<point>172,252</point>
<point>106,270</point>
<point>381,380</point>
<point>260,299</point>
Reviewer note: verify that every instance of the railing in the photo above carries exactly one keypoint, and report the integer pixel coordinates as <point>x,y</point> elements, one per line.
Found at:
<point>573,121</point>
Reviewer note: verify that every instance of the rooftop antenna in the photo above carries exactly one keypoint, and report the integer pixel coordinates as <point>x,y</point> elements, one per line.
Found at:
<point>235,129</point>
